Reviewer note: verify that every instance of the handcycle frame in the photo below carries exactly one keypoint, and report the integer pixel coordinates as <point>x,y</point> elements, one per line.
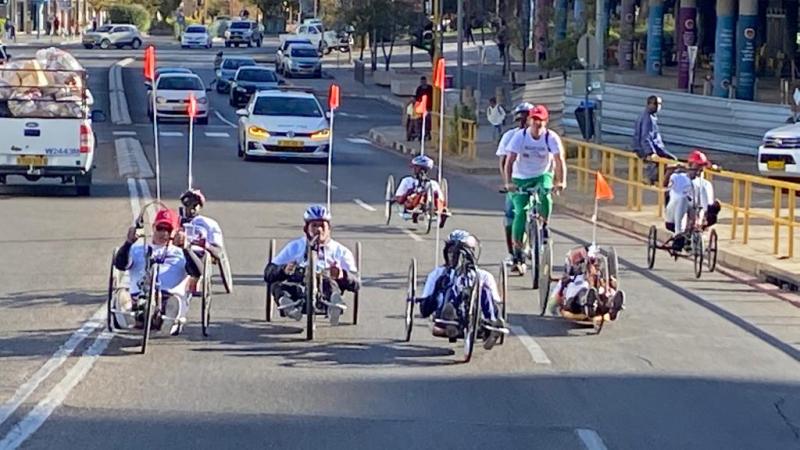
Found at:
<point>311,281</point>
<point>538,253</point>
<point>426,207</point>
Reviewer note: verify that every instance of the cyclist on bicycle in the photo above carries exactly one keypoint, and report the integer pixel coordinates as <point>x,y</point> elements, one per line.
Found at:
<point>203,230</point>
<point>521,117</point>
<point>412,190</point>
<point>579,292</point>
<point>444,295</point>
<point>178,265</point>
<point>533,156</point>
<point>688,194</point>
<point>286,271</point>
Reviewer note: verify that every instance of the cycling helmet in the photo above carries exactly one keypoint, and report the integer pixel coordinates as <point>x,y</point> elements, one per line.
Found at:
<point>193,195</point>
<point>522,110</point>
<point>317,212</point>
<point>698,158</point>
<point>460,242</point>
<point>422,161</point>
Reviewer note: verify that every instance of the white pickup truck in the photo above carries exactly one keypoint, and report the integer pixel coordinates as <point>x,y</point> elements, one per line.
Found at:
<point>46,127</point>
<point>325,41</point>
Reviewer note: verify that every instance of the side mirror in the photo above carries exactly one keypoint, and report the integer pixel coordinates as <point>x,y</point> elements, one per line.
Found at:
<point>242,113</point>
<point>98,116</point>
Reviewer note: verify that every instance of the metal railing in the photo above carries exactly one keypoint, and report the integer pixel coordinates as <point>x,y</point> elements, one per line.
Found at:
<point>460,138</point>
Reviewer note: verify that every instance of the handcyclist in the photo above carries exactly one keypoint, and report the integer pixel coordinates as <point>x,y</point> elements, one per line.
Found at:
<point>412,190</point>
<point>444,295</point>
<point>521,119</point>
<point>179,263</point>
<point>532,158</point>
<point>578,292</point>
<point>286,271</point>
<point>202,230</point>
<point>689,193</point>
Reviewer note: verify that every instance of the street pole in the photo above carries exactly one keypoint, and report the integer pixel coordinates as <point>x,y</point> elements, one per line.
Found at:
<point>601,21</point>
<point>155,139</point>
<point>460,62</point>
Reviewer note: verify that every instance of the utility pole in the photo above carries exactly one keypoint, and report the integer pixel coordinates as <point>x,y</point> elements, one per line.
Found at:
<point>601,21</point>
<point>460,72</point>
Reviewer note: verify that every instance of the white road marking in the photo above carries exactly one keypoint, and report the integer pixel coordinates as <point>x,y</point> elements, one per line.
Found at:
<point>125,62</point>
<point>134,198</point>
<point>301,169</point>
<point>216,134</point>
<point>325,183</point>
<point>355,116</point>
<point>358,141</point>
<point>124,133</point>
<point>170,133</point>
<point>533,347</point>
<point>222,118</point>
<point>364,205</point>
<point>131,160</point>
<point>412,235</point>
<point>591,440</point>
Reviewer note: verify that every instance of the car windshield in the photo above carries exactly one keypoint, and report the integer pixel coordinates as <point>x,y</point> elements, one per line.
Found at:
<point>288,43</point>
<point>304,53</point>
<point>104,29</point>
<point>257,75</point>
<point>196,30</point>
<point>286,106</point>
<point>244,25</point>
<point>180,84</point>
<point>236,63</point>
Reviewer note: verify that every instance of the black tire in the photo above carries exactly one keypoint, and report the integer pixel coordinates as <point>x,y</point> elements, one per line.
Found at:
<point>111,322</point>
<point>148,309</point>
<point>411,294</point>
<point>311,292</point>
<point>249,44</point>
<point>504,297</point>
<point>224,267</point>
<point>219,87</point>
<point>104,44</point>
<point>652,246</point>
<point>430,209</point>
<point>270,299</point>
<point>88,46</point>
<point>232,102</point>
<point>471,332</point>
<point>136,43</point>
<point>545,279</point>
<point>535,237</point>
<point>613,265</point>
<point>356,294</point>
<point>389,199</point>
<point>698,253</point>
<point>239,148</point>
<point>258,43</point>
<point>711,251</point>
<point>227,44</point>
<point>205,309</point>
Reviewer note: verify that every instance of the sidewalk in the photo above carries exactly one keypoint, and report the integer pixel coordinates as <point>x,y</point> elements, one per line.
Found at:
<point>25,40</point>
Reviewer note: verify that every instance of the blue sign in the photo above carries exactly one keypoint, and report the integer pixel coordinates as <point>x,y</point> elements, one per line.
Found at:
<point>655,38</point>
<point>746,54</point>
<point>723,55</point>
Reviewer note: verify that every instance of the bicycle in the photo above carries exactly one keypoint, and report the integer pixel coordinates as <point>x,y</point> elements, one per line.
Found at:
<point>538,251</point>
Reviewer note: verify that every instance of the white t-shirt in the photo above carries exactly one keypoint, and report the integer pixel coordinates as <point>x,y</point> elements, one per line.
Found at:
<point>502,147</point>
<point>330,253</point>
<point>172,272</point>
<point>705,190</point>
<point>496,115</point>
<point>205,228</point>
<point>487,280</point>
<point>408,184</point>
<point>680,185</point>
<point>534,156</point>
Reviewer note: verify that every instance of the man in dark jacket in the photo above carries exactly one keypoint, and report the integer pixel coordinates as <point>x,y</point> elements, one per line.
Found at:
<point>425,89</point>
<point>647,141</point>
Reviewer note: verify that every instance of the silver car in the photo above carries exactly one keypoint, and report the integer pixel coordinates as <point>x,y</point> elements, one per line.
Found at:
<point>302,59</point>
<point>116,35</point>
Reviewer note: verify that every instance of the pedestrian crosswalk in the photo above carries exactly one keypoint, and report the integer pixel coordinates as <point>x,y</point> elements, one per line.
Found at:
<point>179,134</point>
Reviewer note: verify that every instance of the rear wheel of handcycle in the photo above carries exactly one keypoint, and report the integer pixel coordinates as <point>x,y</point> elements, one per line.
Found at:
<point>411,294</point>
<point>357,293</point>
<point>152,293</point>
<point>545,278</point>
<point>224,266</point>
<point>711,251</point>
<point>430,209</point>
<point>269,298</point>
<point>504,297</point>
<point>613,265</point>
<point>389,199</point>
<point>471,330</point>
<point>205,304</point>
<point>311,292</point>
<point>652,246</point>
<point>697,253</point>
<point>111,322</point>
<point>535,239</point>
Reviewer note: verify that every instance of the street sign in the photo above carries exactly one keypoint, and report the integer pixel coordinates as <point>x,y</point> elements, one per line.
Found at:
<point>587,51</point>
<point>586,82</point>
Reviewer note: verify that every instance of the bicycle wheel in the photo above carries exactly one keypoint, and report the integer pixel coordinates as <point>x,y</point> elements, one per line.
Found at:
<point>613,265</point>
<point>269,305</point>
<point>152,293</point>
<point>445,191</point>
<point>411,294</point>
<point>430,209</point>
<point>711,251</point>
<point>225,274</point>
<point>205,304</point>
<point>535,237</point>
<point>698,253</point>
<point>652,244</point>
<point>471,329</point>
<point>311,292</point>
<point>389,199</point>
<point>504,297</point>
<point>112,286</point>
<point>356,293</point>
<point>545,279</point>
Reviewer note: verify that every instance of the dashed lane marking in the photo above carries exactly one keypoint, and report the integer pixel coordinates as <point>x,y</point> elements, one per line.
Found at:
<point>222,118</point>
<point>591,440</point>
<point>170,134</point>
<point>301,169</point>
<point>533,347</point>
<point>412,235</point>
<point>364,205</point>
<point>325,183</point>
<point>124,133</point>
<point>214,134</point>
<point>358,141</point>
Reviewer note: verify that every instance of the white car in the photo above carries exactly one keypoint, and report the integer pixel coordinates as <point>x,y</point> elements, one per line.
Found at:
<point>779,153</point>
<point>196,36</point>
<point>283,123</point>
<point>172,97</point>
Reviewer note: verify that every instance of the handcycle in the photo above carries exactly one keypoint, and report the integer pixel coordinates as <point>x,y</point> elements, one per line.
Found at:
<point>311,281</point>
<point>537,251</point>
<point>469,317</point>
<point>426,209</point>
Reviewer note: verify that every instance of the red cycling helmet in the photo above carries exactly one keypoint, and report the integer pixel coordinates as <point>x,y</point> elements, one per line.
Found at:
<point>698,158</point>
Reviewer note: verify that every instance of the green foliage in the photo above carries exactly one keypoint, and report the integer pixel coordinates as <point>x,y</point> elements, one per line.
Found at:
<point>564,54</point>
<point>133,14</point>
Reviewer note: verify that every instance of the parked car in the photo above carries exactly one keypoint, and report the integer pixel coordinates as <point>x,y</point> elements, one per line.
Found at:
<point>172,97</point>
<point>249,80</point>
<point>282,51</point>
<point>779,153</point>
<point>118,35</point>
<point>244,32</point>
<point>227,71</point>
<point>196,36</point>
<point>302,59</point>
<point>162,70</point>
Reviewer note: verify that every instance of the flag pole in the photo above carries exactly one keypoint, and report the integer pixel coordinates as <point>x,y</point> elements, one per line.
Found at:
<point>422,136</point>
<point>191,147</point>
<point>155,141</point>
<point>594,223</point>
<point>330,159</point>
<point>440,77</point>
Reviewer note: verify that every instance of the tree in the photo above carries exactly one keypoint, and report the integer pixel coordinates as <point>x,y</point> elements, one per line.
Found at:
<point>383,21</point>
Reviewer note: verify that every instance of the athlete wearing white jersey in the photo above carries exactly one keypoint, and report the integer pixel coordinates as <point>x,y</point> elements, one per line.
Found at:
<point>691,198</point>
<point>521,118</point>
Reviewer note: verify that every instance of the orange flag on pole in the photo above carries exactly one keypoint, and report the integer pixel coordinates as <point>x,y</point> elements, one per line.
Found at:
<point>334,99</point>
<point>438,74</point>
<point>421,107</point>
<point>602,191</point>
<point>149,63</point>
<point>192,110</point>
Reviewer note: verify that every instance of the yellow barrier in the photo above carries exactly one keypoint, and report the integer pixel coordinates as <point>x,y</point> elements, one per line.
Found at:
<point>624,167</point>
<point>466,133</point>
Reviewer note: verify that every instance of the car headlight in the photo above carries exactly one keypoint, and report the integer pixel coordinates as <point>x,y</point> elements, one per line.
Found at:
<point>322,134</point>
<point>161,100</point>
<point>257,132</point>
<point>227,34</point>
<point>202,100</point>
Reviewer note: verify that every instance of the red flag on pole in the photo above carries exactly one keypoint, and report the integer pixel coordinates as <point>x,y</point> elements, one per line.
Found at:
<point>421,107</point>
<point>333,97</point>
<point>192,106</point>
<point>438,74</point>
<point>149,63</point>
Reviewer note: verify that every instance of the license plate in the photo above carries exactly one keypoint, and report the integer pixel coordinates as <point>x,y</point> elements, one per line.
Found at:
<point>32,160</point>
<point>776,165</point>
<point>294,144</point>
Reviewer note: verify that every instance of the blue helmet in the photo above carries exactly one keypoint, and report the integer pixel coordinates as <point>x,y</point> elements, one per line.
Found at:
<point>463,237</point>
<point>460,242</point>
<point>422,161</point>
<point>317,212</point>
<point>523,107</point>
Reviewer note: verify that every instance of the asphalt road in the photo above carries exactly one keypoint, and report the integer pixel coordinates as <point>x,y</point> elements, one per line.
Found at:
<point>691,364</point>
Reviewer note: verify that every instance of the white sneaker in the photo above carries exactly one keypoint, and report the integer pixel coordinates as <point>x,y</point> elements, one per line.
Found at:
<point>172,311</point>
<point>405,215</point>
<point>498,329</point>
<point>177,326</point>
<point>124,304</point>
<point>290,311</point>
<point>335,308</point>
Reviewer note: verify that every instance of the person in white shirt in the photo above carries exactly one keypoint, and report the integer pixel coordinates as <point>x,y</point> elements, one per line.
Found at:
<point>496,116</point>
<point>176,265</point>
<point>690,198</point>
<point>577,295</point>
<point>412,190</point>
<point>521,118</point>
<point>286,272</point>
<point>204,234</point>
<point>534,157</point>
<point>445,296</point>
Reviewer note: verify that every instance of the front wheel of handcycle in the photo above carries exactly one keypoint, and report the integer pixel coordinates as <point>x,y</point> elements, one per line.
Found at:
<point>411,294</point>
<point>205,304</point>
<point>311,292</point>
<point>471,330</point>
<point>652,246</point>
<point>504,297</point>
<point>697,253</point>
<point>111,322</point>
<point>152,297</point>
<point>431,213</point>
<point>389,199</point>
<point>545,278</point>
<point>711,251</point>
<point>356,294</point>
<point>535,240</point>
<point>269,298</point>
<point>613,265</point>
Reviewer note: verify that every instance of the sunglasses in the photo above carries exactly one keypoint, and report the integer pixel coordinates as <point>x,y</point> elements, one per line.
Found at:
<point>164,228</point>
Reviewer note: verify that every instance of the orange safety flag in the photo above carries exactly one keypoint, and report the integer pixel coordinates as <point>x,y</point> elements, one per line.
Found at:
<point>192,106</point>
<point>333,97</point>
<point>149,63</point>
<point>421,107</point>
<point>438,74</point>
<point>602,191</point>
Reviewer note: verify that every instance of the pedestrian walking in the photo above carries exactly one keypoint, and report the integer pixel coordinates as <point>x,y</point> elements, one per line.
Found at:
<point>425,89</point>
<point>647,141</point>
<point>497,117</point>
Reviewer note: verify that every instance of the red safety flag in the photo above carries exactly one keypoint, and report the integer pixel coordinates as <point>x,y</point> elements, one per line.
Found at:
<point>334,98</point>
<point>421,107</point>
<point>150,63</point>
<point>192,106</point>
<point>602,191</point>
<point>438,74</point>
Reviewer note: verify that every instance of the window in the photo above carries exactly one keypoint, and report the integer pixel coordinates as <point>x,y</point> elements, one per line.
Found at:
<point>104,29</point>
<point>287,106</point>
<point>262,76</point>
<point>195,29</point>
<point>304,53</point>
<point>240,25</point>
<point>119,30</point>
<point>180,84</point>
<point>233,64</point>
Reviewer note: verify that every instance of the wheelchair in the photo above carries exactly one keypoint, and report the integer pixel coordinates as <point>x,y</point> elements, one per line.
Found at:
<point>426,210</point>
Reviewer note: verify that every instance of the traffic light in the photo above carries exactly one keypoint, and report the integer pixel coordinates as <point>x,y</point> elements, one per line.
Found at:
<point>423,38</point>
<point>3,2</point>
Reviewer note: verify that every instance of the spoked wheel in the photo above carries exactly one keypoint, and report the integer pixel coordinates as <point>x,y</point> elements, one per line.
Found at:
<point>698,253</point>
<point>356,293</point>
<point>205,305</point>
<point>535,239</point>
<point>545,279</point>
<point>311,292</point>
<point>152,293</point>
<point>652,244</point>
<point>445,201</point>
<point>504,297</point>
<point>112,286</point>
<point>430,209</point>
<point>224,266</point>
<point>389,198</point>
<point>471,330</point>
<point>411,294</point>
<point>613,265</point>
<point>269,298</point>
<point>711,251</point>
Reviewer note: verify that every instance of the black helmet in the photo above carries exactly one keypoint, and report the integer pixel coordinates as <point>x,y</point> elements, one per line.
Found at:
<point>461,243</point>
